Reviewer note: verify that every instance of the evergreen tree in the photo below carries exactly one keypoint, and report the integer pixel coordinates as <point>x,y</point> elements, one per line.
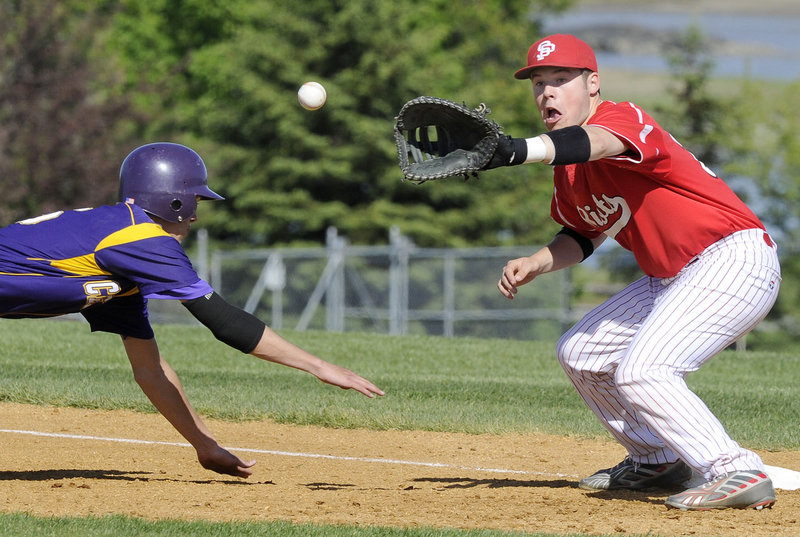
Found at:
<point>226,84</point>
<point>57,123</point>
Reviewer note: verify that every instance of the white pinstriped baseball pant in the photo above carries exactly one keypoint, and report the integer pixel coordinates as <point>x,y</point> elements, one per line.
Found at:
<point>629,357</point>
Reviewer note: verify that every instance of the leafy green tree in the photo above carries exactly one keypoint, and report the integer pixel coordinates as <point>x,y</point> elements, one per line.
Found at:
<point>764,155</point>
<point>222,77</point>
<point>694,114</point>
<point>57,124</point>
<point>758,154</point>
<point>764,148</point>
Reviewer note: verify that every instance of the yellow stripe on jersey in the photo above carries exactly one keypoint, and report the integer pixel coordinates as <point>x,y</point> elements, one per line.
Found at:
<point>86,265</point>
<point>130,211</point>
<point>133,233</point>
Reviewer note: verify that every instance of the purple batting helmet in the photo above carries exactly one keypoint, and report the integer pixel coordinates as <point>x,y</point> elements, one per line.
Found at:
<point>165,180</point>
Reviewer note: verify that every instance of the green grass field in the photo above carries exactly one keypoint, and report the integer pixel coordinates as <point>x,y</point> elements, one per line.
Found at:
<point>432,383</point>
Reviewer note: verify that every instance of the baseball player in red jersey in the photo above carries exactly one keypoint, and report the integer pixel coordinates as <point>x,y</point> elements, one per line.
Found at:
<point>711,274</point>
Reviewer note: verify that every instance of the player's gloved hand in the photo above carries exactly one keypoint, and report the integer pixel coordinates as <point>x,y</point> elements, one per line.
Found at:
<point>510,152</point>
<point>222,461</point>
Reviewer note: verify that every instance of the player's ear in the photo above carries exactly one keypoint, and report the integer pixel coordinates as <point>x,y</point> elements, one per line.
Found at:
<point>593,83</point>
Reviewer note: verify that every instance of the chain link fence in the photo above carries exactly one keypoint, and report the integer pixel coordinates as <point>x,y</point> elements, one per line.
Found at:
<point>398,289</point>
<point>403,289</point>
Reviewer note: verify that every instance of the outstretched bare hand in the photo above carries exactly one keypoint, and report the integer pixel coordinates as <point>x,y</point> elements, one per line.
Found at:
<point>223,461</point>
<point>274,348</point>
<point>347,380</point>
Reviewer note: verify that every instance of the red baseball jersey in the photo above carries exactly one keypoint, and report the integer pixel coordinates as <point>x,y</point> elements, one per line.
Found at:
<point>657,200</point>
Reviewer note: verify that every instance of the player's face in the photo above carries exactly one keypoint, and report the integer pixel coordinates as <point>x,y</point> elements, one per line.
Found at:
<point>563,96</point>
<point>179,230</point>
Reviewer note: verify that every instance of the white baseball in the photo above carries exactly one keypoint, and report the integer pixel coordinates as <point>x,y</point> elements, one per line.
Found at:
<point>312,95</point>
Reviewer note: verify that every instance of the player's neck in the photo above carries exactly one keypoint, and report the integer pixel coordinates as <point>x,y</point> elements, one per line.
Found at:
<point>596,101</point>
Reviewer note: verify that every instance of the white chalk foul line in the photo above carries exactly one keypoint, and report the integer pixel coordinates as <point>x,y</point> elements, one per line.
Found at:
<point>782,478</point>
<point>293,454</point>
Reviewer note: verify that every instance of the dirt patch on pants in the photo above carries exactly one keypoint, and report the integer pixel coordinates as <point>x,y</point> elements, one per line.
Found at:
<point>68,462</point>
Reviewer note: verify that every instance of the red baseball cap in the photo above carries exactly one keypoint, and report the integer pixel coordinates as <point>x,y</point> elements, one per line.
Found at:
<point>558,50</point>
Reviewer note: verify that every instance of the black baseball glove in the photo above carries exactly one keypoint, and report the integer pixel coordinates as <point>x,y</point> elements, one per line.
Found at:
<point>437,138</point>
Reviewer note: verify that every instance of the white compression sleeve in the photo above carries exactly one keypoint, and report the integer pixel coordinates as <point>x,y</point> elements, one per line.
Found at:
<point>537,150</point>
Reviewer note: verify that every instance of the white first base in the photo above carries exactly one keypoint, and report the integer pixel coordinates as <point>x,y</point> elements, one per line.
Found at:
<point>782,478</point>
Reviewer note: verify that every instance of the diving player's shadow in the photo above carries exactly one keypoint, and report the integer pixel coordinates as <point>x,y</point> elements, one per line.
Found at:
<point>113,475</point>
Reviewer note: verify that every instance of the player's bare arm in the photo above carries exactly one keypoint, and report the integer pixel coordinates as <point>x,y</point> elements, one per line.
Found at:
<point>603,144</point>
<point>274,348</point>
<point>562,252</point>
<point>245,332</point>
<point>161,385</point>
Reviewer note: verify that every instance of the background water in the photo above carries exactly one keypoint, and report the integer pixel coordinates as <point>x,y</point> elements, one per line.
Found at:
<point>760,46</point>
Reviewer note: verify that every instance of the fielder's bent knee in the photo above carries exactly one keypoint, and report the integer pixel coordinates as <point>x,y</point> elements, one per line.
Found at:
<point>566,352</point>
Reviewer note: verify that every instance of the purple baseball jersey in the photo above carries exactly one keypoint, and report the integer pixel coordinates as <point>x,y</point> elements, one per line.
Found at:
<point>104,263</point>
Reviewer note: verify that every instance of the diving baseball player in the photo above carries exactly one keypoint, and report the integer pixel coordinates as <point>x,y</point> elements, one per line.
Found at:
<point>107,262</point>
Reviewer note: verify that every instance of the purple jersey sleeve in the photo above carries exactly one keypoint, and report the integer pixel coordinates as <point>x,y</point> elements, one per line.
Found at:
<point>156,264</point>
<point>196,290</point>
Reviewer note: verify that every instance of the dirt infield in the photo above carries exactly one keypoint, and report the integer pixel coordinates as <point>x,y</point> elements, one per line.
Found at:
<point>304,474</point>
